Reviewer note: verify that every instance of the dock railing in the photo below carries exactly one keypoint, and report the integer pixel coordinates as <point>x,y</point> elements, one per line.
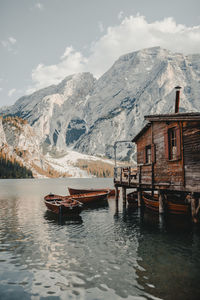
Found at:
<point>125,175</point>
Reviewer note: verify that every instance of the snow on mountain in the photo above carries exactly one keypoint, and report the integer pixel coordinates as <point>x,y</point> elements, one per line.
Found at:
<point>89,115</point>
<point>68,163</point>
<point>19,142</point>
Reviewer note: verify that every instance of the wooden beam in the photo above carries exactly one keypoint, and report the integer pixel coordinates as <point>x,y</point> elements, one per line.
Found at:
<point>198,207</point>
<point>182,153</point>
<point>116,200</point>
<point>174,117</point>
<point>161,202</point>
<point>140,200</point>
<point>140,174</point>
<point>194,211</point>
<point>152,175</point>
<point>129,176</point>
<point>124,195</point>
<point>116,193</point>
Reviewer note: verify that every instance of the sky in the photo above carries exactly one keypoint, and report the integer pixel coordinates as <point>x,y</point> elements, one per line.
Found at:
<point>43,41</point>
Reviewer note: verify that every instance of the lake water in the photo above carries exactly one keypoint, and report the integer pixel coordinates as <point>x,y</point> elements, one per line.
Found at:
<point>102,254</point>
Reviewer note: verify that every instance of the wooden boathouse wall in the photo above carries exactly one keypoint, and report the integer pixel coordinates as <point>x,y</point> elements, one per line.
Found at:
<point>180,173</point>
<point>191,142</point>
<point>161,172</point>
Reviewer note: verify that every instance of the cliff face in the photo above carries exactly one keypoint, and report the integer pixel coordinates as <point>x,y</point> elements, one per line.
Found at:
<point>19,134</point>
<point>55,112</point>
<point>138,84</point>
<point>19,143</point>
<point>2,134</point>
<point>89,115</point>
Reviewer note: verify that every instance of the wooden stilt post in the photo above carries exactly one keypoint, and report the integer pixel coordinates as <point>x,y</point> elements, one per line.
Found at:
<point>124,195</point>
<point>116,193</point>
<point>198,206</point>
<point>193,209</point>
<point>161,203</point>
<point>60,215</point>
<point>161,221</point>
<point>116,200</point>
<point>140,203</point>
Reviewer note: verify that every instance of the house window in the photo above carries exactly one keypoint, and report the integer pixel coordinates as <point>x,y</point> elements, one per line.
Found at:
<point>148,154</point>
<point>172,143</point>
<point>172,138</point>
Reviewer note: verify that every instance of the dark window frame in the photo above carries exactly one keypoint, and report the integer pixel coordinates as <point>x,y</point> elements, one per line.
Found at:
<point>172,141</point>
<point>148,154</point>
<point>172,137</point>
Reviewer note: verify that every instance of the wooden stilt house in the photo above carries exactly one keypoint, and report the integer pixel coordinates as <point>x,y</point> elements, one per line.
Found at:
<point>168,157</point>
<point>168,152</point>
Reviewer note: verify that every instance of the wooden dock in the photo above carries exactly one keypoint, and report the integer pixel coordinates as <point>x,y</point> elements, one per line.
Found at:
<point>168,160</point>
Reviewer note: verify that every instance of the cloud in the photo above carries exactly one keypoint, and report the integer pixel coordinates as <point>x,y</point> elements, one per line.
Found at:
<point>11,92</point>
<point>120,15</point>
<point>101,27</point>
<point>39,5</point>
<point>67,52</point>
<point>1,89</point>
<point>12,40</point>
<point>71,62</point>
<point>132,34</point>
<point>9,43</point>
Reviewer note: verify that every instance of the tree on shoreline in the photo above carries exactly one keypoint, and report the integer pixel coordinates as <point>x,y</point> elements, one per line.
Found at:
<point>12,169</point>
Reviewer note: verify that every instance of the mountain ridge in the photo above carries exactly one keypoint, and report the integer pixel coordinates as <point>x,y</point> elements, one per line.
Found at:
<point>89,115</point>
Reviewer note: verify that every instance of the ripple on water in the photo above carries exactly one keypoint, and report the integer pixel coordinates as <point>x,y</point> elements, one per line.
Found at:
<point>95,256</point>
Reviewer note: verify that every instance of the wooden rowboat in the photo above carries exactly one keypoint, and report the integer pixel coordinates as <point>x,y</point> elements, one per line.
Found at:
<point>92,197</point>
<point>111,192</point>
<point>174,206</point>
<point>87,198</point>
<point>62,205</point>
<point>151,202</point>
<point>132,198</point>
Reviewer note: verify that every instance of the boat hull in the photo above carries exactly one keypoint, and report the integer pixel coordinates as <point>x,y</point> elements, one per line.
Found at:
<point>62,205</point>
<point>111,192</point>
<point>152,204</point>
<point>87,198</point>
<point>172,207</point>
<point>178,209</point>
<point>90,198</point>
<point>132,199</point>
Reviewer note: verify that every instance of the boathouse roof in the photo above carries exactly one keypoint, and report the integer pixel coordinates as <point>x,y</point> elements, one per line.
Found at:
<point>192,116</point>
<point>144,129</point>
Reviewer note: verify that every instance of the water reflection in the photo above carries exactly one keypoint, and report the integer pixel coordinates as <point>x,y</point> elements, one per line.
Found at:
<point>167,263</point>
<point>96,206</point>
<point>167,253</point>
<point>163,223</point>
<point>105,253</point>
<point>62,220</point>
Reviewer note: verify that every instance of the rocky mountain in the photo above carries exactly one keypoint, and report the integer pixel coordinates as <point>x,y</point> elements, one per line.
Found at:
<point>2,134</point>
<point>20,144</point>
<point>89,115</point>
